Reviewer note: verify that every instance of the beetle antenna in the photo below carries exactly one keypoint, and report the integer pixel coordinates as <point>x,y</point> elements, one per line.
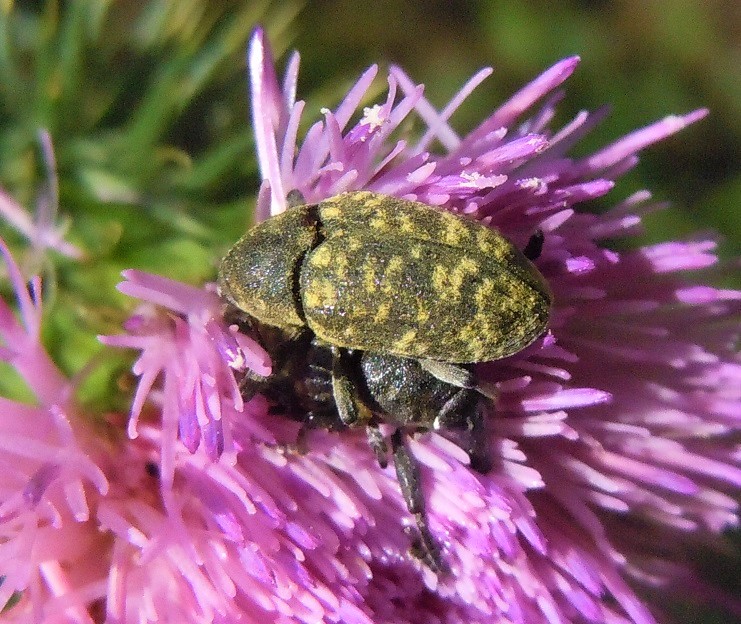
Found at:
<point>534,246</point>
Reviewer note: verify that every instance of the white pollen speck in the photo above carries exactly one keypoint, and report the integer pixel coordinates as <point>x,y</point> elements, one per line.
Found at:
<point>373,117</point>
<point>475,180</point>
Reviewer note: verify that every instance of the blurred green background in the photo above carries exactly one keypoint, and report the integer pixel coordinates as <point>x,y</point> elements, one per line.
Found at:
<point>647,59</point>
<point>146,104</point>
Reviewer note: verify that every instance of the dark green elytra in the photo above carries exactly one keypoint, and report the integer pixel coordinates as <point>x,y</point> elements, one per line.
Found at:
<point>377,273</point>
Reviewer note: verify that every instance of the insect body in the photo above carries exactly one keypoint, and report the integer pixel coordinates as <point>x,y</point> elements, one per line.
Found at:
<point>372,307</point>
<point>376,273</point>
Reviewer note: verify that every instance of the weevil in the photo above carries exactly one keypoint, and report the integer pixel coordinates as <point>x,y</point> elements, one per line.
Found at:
<point>377,273</point>
<point>398,300</point>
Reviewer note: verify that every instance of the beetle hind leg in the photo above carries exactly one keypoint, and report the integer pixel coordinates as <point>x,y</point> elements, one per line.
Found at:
<point>464,415</point>
<point>407,472</point>
<point>478,444</point>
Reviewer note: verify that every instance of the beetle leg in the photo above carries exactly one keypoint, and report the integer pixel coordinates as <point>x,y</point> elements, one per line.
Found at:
<point>465,413</point>
<point>407,472</point>
<point>487,389</point>
<point>455,413</point>
<point>452,374</point>
<point>252,383</point>
<point>534,246</point>
<point>343,387</point>
<point>459,376</point>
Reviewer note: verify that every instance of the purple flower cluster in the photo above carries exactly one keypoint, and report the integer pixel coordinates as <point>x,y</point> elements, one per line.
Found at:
<point>610,440</point>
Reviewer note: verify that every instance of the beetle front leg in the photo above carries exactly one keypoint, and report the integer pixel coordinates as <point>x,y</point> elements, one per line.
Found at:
<point>452,374</point>
<point>457,375</point>
<point>407,472</point>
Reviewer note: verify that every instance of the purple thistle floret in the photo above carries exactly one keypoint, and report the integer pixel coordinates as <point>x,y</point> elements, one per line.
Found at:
<point>610,440</point>
<point>41,229</point>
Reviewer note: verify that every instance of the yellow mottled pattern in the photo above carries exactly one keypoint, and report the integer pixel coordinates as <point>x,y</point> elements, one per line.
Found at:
<point>449,282</point>
<point>423,314</point>
<point>370,199</point>
<point>455,233</point>
<point>257,274</point>
<point>416,221</point>
<point>332,208</point>
<point>484,293</point>
<point>369,278</point>
<point>402,345</point>
<point>394,269</point>
<point>382,314</point>
<point>353,243</point>
<point>322,293</point>
<point>406,225</point>
<point>472,335</point>
<point>311,299</point>
<point>484,242</point>
<point>379,223</point>
<point>414,281</point>
<point>321,256</point>
<point>493,244</point>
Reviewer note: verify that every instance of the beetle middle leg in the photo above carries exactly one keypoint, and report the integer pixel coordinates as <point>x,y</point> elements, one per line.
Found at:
<point>452,374</point>
<point>458,375</point>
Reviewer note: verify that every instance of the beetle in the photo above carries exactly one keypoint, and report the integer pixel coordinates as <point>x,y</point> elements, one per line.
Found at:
<point>374,308</point>
<point>377,273</point>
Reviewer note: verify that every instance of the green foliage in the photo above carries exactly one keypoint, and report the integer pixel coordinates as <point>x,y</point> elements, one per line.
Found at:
<point>146,107</point>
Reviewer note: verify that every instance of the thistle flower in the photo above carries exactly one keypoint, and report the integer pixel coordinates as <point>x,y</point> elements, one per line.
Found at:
<point>610,440</point>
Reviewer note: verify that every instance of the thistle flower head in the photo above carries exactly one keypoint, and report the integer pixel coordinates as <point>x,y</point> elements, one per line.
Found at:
<point>609,440</point>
